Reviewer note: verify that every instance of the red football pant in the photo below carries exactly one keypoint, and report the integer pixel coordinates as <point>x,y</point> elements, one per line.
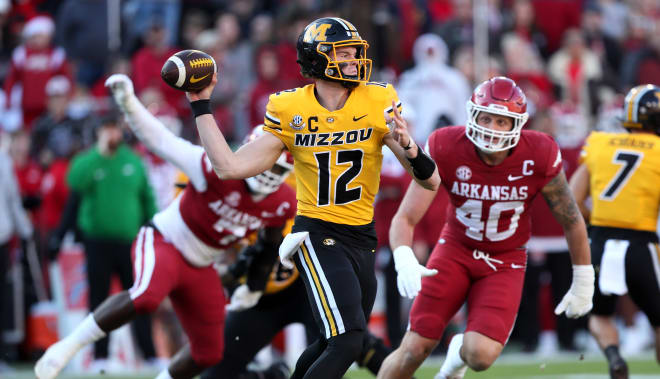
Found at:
<point>492,295</point>
<point>196,293</point>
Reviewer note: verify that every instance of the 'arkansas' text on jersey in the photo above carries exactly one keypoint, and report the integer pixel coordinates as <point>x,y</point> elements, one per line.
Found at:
<point>489,192</point>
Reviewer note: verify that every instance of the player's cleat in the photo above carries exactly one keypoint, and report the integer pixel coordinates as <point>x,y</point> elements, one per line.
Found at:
<point>54,360</point>
<point>618,369</point>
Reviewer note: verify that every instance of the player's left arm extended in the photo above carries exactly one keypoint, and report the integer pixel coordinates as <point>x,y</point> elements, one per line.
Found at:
<point>154,135</point>
<point>418,164</point>
<point>578,301</point>
<point>414,205</point>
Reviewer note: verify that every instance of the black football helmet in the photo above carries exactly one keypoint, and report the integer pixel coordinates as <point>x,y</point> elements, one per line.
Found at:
<point>642,108</point>
<point>317,43</point>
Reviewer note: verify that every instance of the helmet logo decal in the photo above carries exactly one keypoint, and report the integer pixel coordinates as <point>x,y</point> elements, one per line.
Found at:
<point>316,32</point>
<point>297,122</point>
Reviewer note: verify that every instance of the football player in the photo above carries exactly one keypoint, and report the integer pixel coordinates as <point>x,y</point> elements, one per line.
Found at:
<point>620,173</point>
<point>492,169</point>
<point>173,254</point>
<point>252,324</point>
<point>334,128</point>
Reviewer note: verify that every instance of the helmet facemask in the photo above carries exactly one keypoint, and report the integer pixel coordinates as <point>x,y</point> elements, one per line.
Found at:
<point>333,69</point>
<point>490,140</point>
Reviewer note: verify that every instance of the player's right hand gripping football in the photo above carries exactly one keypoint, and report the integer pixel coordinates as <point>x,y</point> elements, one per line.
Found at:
<point>122,89</point>
<point>578,301</point>
<point>204,93</point>
<point>409,272</point>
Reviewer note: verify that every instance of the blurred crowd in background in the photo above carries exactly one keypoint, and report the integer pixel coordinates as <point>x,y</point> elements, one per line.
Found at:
<point>575,59</point>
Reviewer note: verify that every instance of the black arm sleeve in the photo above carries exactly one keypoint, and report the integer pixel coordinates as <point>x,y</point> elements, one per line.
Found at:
<point>422,165</point>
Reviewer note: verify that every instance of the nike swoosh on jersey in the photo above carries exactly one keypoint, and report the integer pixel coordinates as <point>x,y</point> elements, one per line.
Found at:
<point>359,118</point>
<point>512,178</point>
<point>513,265</point>
<point>193,79</point>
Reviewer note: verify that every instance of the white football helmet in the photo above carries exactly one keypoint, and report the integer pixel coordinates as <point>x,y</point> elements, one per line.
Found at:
<point>501,96</point>
<point>270,180</point>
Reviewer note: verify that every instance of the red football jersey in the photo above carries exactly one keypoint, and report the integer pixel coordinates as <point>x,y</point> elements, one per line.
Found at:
<point>490,204</point>
<point>202,223</point>
<point>226,212</point>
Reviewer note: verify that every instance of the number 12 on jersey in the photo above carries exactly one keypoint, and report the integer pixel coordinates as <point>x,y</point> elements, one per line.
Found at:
<point>343,195</point>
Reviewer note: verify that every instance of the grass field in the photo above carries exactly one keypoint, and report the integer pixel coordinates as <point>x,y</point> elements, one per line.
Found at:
<point>509,366</point>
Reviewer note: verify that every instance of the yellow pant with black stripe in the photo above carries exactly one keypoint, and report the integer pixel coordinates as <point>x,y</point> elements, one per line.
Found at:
<point>336,263</point>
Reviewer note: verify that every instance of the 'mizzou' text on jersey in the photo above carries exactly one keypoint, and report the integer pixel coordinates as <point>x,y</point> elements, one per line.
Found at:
<point>489,192</point>
<point>331,139</point>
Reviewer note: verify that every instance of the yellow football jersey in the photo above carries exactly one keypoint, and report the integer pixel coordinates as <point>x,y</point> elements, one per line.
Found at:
<point>337,154</point>
<point>624,173</point>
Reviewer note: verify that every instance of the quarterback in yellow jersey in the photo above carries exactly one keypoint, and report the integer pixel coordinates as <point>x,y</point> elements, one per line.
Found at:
<point>621,173</point>
<point>335,129</point>
<point>335,151</point>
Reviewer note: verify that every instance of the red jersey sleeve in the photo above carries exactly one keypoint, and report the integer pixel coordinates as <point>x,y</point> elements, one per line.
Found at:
<point>553,164</point>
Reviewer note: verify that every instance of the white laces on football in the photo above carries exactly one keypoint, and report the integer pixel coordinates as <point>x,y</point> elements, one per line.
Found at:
<point>478,254</point>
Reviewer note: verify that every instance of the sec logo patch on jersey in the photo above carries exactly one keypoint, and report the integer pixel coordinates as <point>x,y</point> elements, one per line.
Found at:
<point>463,173</point>
<point>297,122</point>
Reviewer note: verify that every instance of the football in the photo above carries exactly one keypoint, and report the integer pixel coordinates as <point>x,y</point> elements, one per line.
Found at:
<point>188,70</point>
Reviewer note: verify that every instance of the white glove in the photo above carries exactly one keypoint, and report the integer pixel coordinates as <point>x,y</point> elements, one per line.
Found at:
<point>578,301</point>
<point>409,271</point>
<point>243,299</point>
<point>122,89</point>
<point>289,246</point>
